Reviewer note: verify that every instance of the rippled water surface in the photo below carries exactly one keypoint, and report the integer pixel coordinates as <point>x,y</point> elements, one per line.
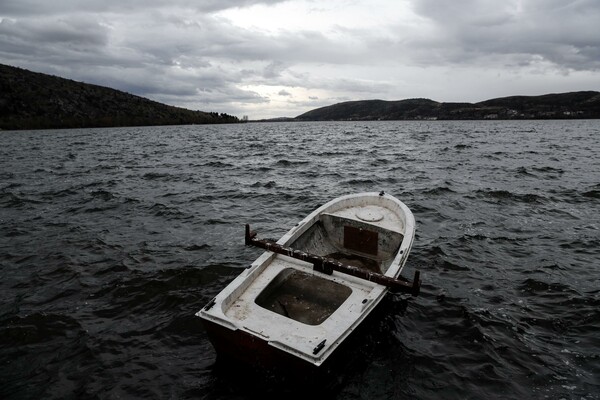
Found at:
<point>112,239</point>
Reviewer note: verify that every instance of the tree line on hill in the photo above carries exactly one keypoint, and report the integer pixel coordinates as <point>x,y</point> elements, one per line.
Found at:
<point>585,104</point>
<point>30,100</point>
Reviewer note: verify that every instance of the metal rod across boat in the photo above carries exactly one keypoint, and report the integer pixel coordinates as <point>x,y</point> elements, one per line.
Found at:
<point>328,265</point>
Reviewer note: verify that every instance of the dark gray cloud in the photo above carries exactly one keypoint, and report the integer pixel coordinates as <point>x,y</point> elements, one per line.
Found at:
<point>81,31</point>
<point>60,7</point>
<point>564,32</point>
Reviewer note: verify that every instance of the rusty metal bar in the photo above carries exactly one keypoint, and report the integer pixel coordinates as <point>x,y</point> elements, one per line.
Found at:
<point>328,265</point>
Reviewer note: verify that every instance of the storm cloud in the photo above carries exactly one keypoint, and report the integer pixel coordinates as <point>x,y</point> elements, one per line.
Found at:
<point>281,58</point>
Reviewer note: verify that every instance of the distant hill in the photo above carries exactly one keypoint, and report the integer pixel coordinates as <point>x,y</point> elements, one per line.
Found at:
<point>550,106</point>
<point>30,100</point>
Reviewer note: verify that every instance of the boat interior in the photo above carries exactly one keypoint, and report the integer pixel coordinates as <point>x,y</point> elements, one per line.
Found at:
<point>351,242</point>
<point>311,298</point>
<point>303,297</point>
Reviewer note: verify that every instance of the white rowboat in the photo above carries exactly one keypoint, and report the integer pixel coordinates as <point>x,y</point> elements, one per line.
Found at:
<point>310,290</point>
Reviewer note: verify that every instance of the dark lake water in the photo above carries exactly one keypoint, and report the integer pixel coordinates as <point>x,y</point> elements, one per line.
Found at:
<point>112,239</point>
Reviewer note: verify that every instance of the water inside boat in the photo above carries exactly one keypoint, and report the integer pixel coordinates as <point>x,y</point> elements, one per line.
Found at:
<point>303,297</point>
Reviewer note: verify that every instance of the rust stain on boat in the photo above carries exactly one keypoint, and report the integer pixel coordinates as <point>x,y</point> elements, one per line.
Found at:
<point>361,240</point>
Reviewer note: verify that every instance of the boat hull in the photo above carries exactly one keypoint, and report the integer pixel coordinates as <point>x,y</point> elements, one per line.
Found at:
<point>237,346</point>
<point>258,366</point>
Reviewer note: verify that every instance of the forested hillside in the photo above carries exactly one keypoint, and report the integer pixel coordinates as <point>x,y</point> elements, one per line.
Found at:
<point>30,100</point>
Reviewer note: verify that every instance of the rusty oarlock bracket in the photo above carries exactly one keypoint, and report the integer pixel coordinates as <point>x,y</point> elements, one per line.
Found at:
<point>328,265</point>
<point>250,235</point>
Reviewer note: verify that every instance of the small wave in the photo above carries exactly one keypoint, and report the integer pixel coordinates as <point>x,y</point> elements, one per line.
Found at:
<point>507,195</point>
<point>268,185</point>
<point>441,190</point>
<point>183,328</point>
<point>112,269</point>
<point>103,183</point>
<point>589,246</point>
<point>16,231</point>
<point>13,185</point>
<point>6,175</point>
<point>467,237</point>
<point>161,210</point>
<point>359,182</point>
<point>329,153</point>
<point>157,176</point>
<point>592,194</point>
<point>49,195</point>
<point>534,286</point>
<point>435,251</point>
<point>11,200</point>
<point>106,167</point>
<point>289,163</point>
<point>127,200</point>
<point>552,170</point>
<point>37,328</point>
<point>159,291</point>
<point>573,196</point>
<point>216,221</point>
<point>420,208</point>
<point>96,209</point>
<point>523,171</point>
<point>98,245</point>
<point>494,239</point>
<point>547,270</point>
<point>380,162</point>
<point>217,164</point>
<point>171,194</point>
<point>447,265</point>
<point>196,247</point>
<point>103,195</point>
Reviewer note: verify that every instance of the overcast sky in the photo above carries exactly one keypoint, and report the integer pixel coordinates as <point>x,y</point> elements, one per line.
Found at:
<point>275,58</point>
